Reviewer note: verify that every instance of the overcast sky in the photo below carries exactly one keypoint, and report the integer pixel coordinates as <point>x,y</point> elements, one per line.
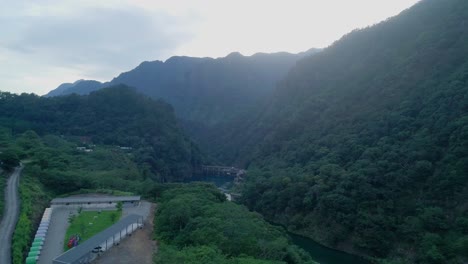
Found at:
<point>44,43</point>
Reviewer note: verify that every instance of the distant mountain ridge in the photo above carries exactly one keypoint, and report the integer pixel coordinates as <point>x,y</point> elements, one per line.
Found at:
<point>82,87</point>
<point>201,90</point>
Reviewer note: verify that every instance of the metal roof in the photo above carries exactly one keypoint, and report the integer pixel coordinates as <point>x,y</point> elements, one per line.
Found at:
<point>86,247</point>
<point>103,199</point>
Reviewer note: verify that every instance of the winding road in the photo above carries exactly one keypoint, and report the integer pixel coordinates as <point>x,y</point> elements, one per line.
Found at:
<point>10,217</point>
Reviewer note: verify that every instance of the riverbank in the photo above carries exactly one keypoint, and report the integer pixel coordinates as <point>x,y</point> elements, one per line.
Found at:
<point>323,254</point>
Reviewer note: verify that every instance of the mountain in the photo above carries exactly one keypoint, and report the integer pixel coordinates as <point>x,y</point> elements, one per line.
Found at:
<point>116,115</point>
<point>62,88</point>
<point>364,145</point>
<point>202,90</point>
<point>82,86</point>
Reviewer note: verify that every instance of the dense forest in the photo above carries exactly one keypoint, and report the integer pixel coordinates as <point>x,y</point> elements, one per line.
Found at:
<point>195,224</point>
<point>364,145</point>
<point>204,92</point>
<point>114,116</point>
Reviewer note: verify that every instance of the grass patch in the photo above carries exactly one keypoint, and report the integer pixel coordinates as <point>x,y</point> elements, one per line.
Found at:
<point>98,191</point>
<point>88,223</point>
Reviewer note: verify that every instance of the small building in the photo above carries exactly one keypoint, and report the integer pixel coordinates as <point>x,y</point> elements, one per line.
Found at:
<point>126,148</point>
<point>101,242</point>
<point>96,202</point>
<point>84,149</point>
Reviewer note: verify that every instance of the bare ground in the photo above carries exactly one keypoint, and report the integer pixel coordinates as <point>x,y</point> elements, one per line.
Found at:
<point>139,248</point>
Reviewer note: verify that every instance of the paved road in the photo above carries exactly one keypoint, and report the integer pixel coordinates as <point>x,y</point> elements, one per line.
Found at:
<point>12,206</point>
<point>53,245</point>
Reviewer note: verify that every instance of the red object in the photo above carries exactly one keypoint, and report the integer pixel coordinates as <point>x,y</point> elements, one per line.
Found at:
<point>71,242</point>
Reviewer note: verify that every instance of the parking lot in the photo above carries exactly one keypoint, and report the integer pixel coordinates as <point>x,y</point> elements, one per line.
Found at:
<point>53,245</point>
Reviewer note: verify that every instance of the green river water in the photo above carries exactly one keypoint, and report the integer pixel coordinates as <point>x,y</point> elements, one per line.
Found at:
<point>325,255</point>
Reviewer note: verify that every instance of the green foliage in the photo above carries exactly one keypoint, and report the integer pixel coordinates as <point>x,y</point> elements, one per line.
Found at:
<point>462,246</point>
<point>5,140</point>
<point>63,169</point>
<point>3,179</point>
<point>114,116</point>
<point>201,255</point>
<point>33,202</point>
<point>119,206</point>
<point>197,223</point>
<point>9,159</point>
<point>100,191</point>
<point>55,167</point>
<point>366,142</point>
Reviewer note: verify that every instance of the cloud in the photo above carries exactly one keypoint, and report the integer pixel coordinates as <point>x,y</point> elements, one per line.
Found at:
<point>48,42</point>
<point>92,42</point>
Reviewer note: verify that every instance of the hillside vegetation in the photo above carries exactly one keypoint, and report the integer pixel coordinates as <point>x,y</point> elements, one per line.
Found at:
<point>206,93</point>
<point>53,166</point>
<point>3,178</point>
<point>116,116</point>
<point>195,224</point>
<point>188,219</point>
<point>364,145</point>
<point>203,91</point>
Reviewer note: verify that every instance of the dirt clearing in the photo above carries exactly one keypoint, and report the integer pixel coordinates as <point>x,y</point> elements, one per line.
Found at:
<point>138,248</point>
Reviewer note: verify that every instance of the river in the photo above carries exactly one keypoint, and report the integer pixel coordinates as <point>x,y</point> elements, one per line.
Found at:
<point>319,253</point>
<point>325,255</point>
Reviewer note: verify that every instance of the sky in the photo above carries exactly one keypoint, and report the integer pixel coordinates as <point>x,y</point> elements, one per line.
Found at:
<point>44,43</point>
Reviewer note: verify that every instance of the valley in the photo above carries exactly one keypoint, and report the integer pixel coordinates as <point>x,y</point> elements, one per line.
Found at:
<point>353,153</point>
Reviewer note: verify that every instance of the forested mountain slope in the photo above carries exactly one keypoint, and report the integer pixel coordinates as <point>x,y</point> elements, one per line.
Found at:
<point>112,116</point>
<point>203,91</point>
<point>364,146</point>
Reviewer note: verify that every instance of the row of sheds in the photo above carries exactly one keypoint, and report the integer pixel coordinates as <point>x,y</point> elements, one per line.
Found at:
<point>38,242</point>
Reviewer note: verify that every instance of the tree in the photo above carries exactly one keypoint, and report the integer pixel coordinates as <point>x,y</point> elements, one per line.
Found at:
<point>9,159</point>
<point>119,206</point>
<point>113,217</point>
<point>195,217</point>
